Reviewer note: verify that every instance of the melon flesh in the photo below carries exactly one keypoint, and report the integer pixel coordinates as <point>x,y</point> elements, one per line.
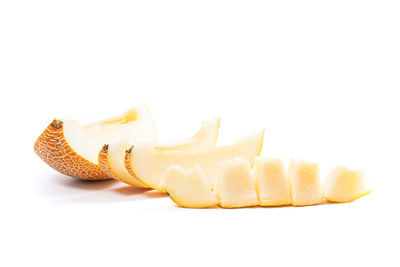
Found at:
<point>73,149</point>
<point>271,182</point>
<point>149,164</point>
<point>132,126</point>
<point>204,139</point>
<point>344,185</point>
<point>188,187</point>
<point>304,183</point>
<point>235,186</point>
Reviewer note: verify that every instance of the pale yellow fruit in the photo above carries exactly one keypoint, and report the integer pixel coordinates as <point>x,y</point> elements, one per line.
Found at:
<point>271,182</point>
<point>204,139</point>
<point>344,185</point>
<point>305,184</point>
<point>148,164</point>
<point>112,156</point>
<point>73,149</point>
<point>235,186</point>
<point>188,187</point>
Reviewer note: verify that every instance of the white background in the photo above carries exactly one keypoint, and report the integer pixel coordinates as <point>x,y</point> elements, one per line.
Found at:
<point>321,76</point>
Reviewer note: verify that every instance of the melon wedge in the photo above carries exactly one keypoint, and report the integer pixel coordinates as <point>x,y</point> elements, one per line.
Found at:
<point>112,157</point>
<point>344,185</point>
<point>188,187</point>
<point>304,183</point>
<point>271,182</point>
<point>73,149</point>
<point>148,164</point>
<point>234,186</point>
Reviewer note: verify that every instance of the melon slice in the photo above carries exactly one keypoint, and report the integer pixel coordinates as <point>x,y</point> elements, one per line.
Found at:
<point>73,149</point>
<point>271,182</point>
<point>111,157</point>
<point>344,185</point>
<point>235,186</point>
<point>111,160</point>
<point>304,183</point>
<point>188,187</point>
<point>148,164</point>
<point>204,139</point>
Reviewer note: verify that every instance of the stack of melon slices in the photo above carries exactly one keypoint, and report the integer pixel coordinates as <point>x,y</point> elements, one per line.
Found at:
<point>192,171</point>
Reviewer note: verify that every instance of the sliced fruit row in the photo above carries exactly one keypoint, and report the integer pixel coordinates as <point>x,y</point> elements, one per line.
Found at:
<point>236,185</point>
<point>192,171</point>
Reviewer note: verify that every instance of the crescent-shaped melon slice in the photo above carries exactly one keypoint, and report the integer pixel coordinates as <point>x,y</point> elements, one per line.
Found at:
<point>73,149</point>
<point>112,157</point>
<point>204,139</point>
<point>148,164</point>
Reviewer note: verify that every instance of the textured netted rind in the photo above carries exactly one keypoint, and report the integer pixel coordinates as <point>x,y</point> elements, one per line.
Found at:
<point>127,162</point>
<point>52,147</point>
<point>103,162</point>
<point>105,167</point>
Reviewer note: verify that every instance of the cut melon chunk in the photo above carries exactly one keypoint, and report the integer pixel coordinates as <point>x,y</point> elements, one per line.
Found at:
<point>235,186</point>
<point>344,185</point>
<point>304,183</point>
<point>73,149</point>
<point>188,187</point>
<point>271,182</point>
<point>148,164</point>
<point>112,156</point>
